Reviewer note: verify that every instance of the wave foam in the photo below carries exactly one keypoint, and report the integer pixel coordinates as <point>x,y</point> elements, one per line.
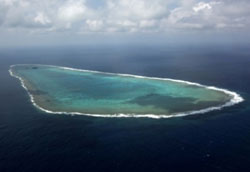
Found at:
<point>236,98</point>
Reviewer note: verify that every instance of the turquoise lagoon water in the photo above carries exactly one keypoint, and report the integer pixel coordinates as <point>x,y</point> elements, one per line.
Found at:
<point>64,90</point>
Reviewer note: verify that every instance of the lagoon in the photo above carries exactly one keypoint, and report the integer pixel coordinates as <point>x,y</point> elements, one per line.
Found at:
<point>63,90</point>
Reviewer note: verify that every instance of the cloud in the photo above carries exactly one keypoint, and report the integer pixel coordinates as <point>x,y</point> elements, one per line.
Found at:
<point>42,19</point>
<point>85,16</point>
<point>94,25</point>
<point>213,16</point>
<point>137,9</point>
<point>201,6</point>
<point>72,11</point>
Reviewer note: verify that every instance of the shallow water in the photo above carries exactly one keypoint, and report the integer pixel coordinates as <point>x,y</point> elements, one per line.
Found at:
<point>60,89</point>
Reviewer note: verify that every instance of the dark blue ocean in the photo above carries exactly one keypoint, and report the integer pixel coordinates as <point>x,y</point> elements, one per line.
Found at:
<point>33,141</point>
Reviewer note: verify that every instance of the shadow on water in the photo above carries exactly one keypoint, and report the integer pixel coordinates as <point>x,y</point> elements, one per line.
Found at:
<point>170,103</point>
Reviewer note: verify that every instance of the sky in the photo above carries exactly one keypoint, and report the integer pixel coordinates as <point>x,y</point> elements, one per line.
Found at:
<point>34,22</point>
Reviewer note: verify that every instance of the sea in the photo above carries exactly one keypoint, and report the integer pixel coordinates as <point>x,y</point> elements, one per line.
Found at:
<point>35,141</point>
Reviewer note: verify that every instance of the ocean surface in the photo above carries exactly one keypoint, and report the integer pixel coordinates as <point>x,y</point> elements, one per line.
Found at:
<point>32,140</point>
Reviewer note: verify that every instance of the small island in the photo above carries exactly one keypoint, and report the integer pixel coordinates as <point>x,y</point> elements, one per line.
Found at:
<point>63,90</point>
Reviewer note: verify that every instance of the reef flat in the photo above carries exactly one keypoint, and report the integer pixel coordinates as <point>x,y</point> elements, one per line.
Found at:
<point>63,90</point>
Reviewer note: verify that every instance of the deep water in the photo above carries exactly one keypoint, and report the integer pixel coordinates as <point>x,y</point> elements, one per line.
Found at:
<point>31,140</point>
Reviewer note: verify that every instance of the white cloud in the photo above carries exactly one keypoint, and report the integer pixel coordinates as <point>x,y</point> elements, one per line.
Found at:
<point>178,14</point>
<point>147,23</point>
<point>201,6</point>
<point>42,19</point>
<point>72,11</point>
<point>123,15</point>
<point>8,2</point>
<point>94,25</point>
<point>137,9</point>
